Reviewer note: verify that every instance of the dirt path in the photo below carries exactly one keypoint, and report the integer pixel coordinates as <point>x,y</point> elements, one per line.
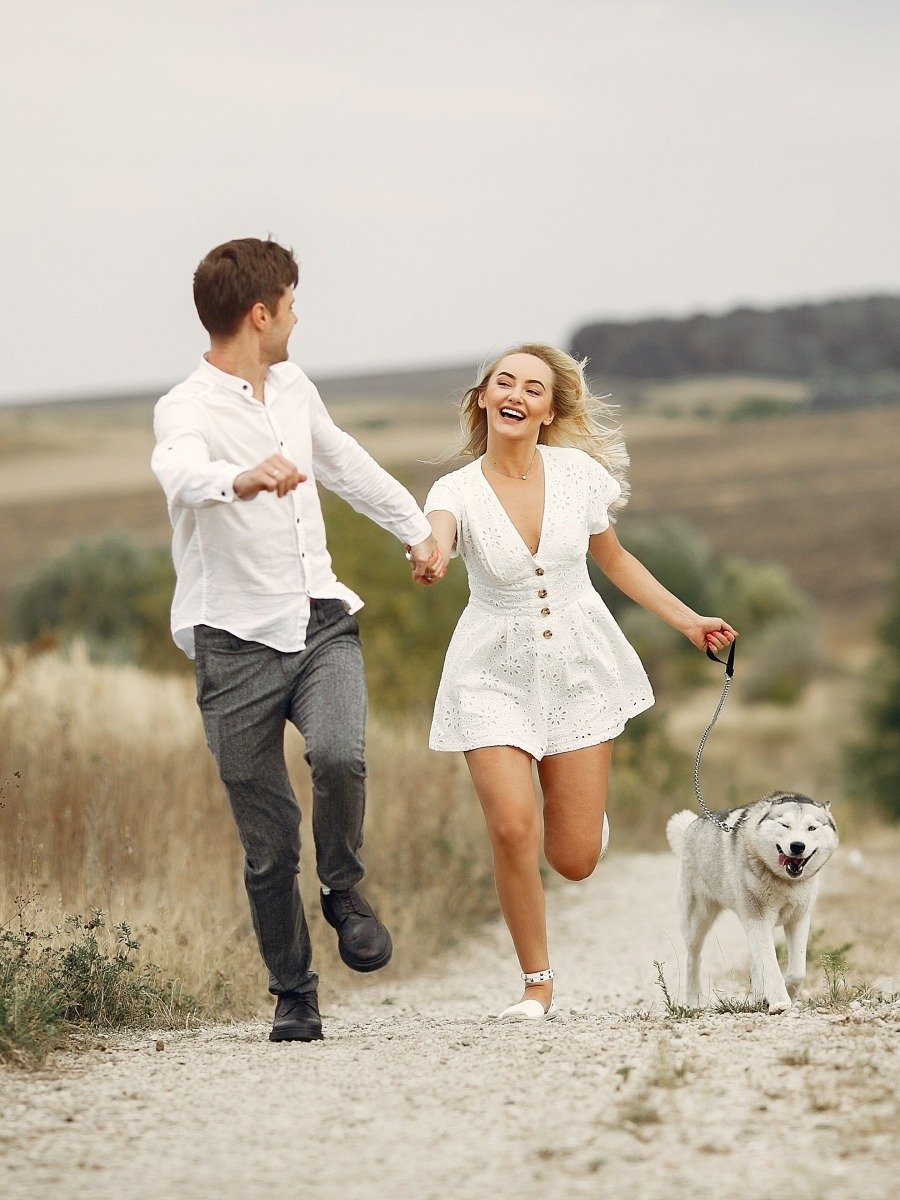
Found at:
<point>417,1094</point>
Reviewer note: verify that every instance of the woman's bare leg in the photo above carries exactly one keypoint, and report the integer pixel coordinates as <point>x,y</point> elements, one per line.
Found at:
<point>574,787</point>
<point>503,780</point>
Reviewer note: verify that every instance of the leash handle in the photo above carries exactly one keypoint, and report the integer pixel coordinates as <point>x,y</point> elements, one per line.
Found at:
<point>729,665</point>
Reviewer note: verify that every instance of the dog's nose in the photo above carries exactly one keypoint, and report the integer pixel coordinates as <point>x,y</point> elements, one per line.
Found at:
<point>797,848</point>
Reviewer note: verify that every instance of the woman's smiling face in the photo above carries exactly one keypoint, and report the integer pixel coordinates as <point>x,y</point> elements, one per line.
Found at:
<point>518,397</point>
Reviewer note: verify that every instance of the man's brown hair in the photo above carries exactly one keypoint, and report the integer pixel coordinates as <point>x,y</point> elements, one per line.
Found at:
<point>235,276</point>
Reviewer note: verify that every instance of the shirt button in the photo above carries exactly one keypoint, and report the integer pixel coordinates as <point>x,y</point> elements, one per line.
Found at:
<point>547,633</point>
<point>545,612</point>
<point>539,571</point>
<point>542,593</point>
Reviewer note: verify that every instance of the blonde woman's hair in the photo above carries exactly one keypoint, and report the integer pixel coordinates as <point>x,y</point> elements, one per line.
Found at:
<point>580,419</point>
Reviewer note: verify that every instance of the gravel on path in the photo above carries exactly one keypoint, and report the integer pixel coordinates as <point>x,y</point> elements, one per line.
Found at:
<point>416,1093</point>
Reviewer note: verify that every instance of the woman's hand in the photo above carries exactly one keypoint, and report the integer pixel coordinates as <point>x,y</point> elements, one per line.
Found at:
<point>427,562</point>
<point>710,633</point>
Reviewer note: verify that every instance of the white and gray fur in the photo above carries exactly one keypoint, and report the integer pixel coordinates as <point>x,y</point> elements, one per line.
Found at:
<point>766,871</point>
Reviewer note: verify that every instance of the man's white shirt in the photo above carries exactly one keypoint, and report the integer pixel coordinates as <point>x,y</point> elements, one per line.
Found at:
<point>251,566</point>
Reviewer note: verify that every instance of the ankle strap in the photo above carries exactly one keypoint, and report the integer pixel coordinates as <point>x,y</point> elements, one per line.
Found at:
<point>531,977</point>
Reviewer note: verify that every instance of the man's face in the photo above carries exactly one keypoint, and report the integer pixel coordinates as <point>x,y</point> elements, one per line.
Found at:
<point>280,328</point>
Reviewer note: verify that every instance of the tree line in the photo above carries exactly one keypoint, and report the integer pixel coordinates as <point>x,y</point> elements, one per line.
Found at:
<point>849,339</point>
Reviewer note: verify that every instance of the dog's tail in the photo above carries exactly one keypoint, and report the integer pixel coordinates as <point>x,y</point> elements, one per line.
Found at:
<point>677,825</point>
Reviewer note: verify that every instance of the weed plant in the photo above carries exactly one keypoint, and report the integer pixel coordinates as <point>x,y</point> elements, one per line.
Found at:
<point>840,990</point>
<point>677,1012</point>
<point>735,1006</point>
<point>83,974</point>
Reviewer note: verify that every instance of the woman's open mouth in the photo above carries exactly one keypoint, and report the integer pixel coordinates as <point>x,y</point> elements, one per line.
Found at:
<point>512,414</point>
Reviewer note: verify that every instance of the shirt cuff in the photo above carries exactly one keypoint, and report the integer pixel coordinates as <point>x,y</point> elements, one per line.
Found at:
<point>418,530</point>
<point>222,485</point>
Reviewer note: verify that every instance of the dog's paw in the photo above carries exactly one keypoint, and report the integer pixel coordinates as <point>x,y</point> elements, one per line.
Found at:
<point>793,987</point>
<point>779,1006</point>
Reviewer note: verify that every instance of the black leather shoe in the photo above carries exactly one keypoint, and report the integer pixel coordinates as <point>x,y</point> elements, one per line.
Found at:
<point>363,942</point>
<point>297,1018</point>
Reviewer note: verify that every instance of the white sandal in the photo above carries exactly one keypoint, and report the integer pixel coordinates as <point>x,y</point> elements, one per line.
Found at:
<point>604,836</point>
<point>531,1010</point>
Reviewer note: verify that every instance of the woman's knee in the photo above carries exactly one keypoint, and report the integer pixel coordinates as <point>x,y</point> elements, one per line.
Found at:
<point>572,862</point>
<point>516,837</point>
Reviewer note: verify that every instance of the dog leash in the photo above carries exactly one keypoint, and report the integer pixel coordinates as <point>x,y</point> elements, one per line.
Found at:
<point>729,675</point>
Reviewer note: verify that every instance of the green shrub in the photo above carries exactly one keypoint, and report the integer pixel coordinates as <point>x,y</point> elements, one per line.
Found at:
<point>405,628</point>
<point>873,763</point>
<point>753,595</point>
<point>754,408</point>
<point>677,554</point>
<point>84,975</point>
<point>659,646</point>
<point>650,779</point>
<point>784,657</point>
<point>113,595</point>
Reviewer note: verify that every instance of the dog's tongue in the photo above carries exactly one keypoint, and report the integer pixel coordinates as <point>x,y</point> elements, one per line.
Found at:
<point>784,859</point>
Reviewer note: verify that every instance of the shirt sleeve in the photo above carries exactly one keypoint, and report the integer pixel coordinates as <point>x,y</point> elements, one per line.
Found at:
<point>181,459</point>
<point>602,493</point>
<point>342,465</point>
<point>444,497</point>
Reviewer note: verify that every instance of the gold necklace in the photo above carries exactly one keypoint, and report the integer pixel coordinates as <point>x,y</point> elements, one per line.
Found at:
<point>507,474</point>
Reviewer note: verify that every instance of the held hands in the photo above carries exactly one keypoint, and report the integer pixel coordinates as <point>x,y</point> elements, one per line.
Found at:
<point>275,474</point>
<point>428,565</point>
<point>710,633</point>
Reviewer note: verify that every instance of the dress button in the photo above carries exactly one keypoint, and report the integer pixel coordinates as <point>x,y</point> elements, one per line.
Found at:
<point>545,612</point>
<point>539,571</point>
<point>547,633</point>
<point>542,594</point>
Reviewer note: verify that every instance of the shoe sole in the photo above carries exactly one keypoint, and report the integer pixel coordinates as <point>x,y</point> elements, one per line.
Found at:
<point>549,1016</point>
<point>364,965</point>
<point>291,1036</point>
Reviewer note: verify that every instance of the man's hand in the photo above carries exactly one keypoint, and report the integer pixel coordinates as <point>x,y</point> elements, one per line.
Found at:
<point>427,564</point>
<point>275,474</point>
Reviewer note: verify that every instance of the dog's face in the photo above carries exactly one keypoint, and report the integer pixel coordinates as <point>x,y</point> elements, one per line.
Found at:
<point>794,836</point>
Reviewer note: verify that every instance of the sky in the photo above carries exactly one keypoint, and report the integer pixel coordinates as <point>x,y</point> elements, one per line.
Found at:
<point>453,176</point>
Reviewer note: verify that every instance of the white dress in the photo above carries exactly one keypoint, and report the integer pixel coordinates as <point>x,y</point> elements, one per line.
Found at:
<point>536,660</point>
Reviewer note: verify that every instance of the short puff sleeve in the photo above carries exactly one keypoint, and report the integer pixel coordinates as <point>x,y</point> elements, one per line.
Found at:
<point>602,493</point>
<point>444,497</point>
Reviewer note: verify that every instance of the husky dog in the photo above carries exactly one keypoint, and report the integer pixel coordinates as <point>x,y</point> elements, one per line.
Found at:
<point>766,871</point>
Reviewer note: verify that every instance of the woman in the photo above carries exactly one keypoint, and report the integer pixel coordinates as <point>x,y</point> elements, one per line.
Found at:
<point>537,668</point>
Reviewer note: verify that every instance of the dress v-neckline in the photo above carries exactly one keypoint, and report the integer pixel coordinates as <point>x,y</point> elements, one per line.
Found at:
<point>509,520</point>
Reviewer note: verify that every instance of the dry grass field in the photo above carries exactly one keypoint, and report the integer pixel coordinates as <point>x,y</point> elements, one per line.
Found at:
<point>109,799</point>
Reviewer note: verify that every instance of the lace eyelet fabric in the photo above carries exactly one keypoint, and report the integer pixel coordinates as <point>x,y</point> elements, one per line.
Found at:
<point>537,660</point>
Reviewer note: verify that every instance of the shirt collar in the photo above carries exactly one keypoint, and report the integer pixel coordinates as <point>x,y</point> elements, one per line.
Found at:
<point>232,383</point>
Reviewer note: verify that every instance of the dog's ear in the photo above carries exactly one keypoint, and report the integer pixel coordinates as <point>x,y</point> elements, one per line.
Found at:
<point>826,806</point>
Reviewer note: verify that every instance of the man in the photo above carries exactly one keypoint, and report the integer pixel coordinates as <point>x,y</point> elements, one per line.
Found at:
<point>239,447</point>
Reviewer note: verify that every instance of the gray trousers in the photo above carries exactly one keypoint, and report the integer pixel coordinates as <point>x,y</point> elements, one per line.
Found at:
<point>246,692</point>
